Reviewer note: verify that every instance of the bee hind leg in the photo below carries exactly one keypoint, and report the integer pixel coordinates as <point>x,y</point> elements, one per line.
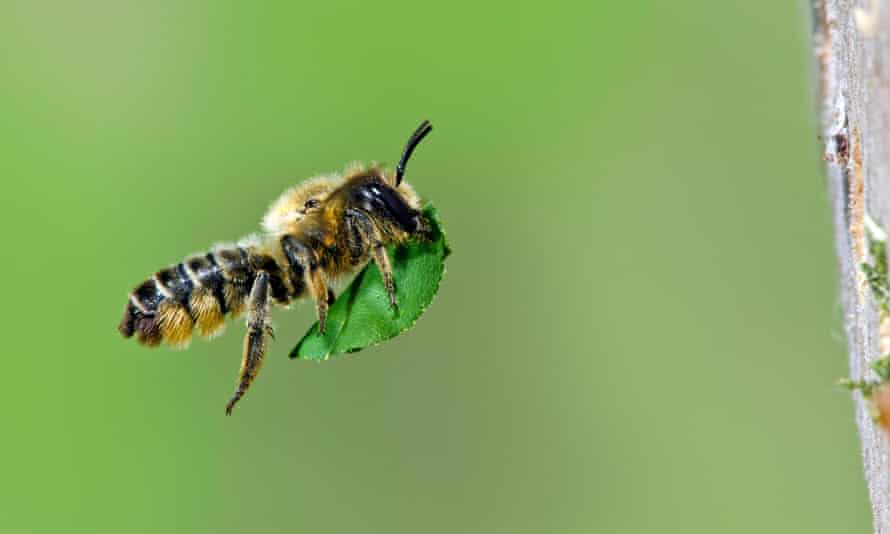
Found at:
<point>259,331</point>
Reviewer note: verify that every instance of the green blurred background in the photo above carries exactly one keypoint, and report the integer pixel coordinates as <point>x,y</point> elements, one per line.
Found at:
<point>639,330</point>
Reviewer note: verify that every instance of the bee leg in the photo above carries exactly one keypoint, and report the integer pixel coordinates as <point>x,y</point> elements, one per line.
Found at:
<point>259,331</point>
<point>304,263</point>
<point>321,296</point>
<point>423,231</point>
<point>362,231</point>
<point>382,260</point>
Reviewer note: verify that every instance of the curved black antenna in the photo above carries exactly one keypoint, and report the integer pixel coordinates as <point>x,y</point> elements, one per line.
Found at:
<point>415,139</point>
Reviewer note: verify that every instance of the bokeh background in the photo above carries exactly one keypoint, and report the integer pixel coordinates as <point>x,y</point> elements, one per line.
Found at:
<point>639,330</point>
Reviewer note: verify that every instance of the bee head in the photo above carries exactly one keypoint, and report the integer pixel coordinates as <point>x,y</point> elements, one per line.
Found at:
<point>374,196</point>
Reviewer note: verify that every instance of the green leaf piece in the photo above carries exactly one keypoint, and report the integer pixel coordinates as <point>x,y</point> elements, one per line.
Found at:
<point>361,316</point>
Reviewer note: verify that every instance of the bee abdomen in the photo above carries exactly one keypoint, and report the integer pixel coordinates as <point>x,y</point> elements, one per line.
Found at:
<point>140,316</point>
<point>197,293</point>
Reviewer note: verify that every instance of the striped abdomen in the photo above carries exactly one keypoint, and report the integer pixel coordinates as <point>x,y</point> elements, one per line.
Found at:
<point>197,293</point>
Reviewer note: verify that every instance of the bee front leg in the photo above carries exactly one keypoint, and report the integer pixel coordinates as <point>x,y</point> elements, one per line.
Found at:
<point>259,331</point>
<point>363,232</point>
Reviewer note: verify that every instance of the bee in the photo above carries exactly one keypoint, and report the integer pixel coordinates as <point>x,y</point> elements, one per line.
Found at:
<point>316,232</point>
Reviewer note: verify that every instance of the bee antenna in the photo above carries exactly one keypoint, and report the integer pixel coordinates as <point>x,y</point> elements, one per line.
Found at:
<point>415,139</point>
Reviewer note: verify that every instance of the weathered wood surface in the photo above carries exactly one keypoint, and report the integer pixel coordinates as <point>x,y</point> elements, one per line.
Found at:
<point>852,53</point>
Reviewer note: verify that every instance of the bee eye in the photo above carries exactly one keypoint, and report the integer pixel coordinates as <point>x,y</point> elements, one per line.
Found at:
<point>311,203</point>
